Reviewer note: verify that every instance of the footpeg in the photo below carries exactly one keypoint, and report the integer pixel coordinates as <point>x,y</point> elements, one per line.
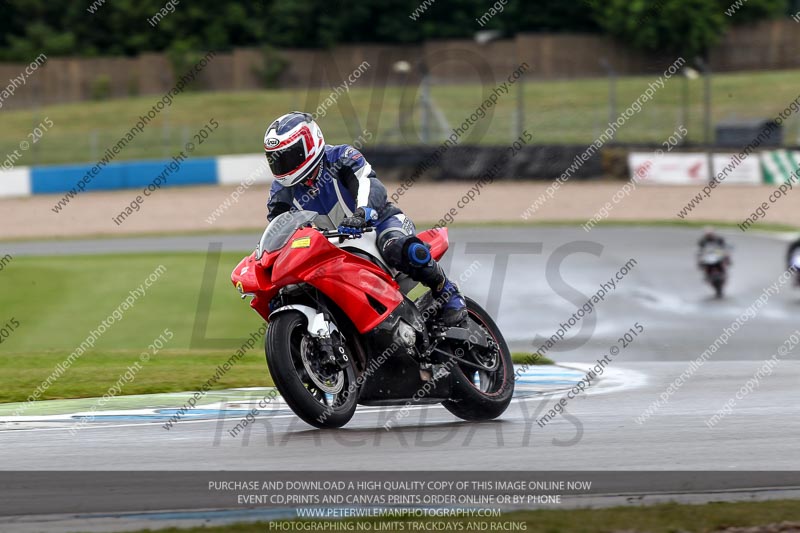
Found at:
<point>440,372</point>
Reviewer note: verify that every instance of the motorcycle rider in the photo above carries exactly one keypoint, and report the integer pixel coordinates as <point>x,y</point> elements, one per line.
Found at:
<point>794,250</point>
<point>711,238</point>
<point>338,182</point>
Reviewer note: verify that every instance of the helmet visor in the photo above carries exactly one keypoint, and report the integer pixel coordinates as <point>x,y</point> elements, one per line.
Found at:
<point>287,159</point>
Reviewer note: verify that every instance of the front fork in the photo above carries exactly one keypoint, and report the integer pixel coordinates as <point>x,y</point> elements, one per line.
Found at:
<point>322,329</point>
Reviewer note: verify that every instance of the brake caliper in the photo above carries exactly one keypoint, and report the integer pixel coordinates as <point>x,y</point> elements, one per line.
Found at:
<point>333,352</point>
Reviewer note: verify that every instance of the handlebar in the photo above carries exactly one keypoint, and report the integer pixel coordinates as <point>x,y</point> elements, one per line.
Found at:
<point>333,233</point>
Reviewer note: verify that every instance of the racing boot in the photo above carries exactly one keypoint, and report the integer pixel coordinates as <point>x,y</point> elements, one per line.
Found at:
<point>447,298</point>
<point>453,308</point>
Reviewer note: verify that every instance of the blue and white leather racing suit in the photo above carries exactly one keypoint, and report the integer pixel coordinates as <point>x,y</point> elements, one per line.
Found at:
<point>345,182</point>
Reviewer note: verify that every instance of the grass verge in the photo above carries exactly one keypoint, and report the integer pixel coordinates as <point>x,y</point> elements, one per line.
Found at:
<point>96,372</point>
<point>767,227</point>
<point>58,301</point>
<point>569,111</point>
<point>523,358</point>
<point>168,371</point>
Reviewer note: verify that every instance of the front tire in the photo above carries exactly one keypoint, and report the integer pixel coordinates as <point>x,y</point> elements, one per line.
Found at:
<point>718,288</point>
<point>286,345</point>
<point>480,395</point>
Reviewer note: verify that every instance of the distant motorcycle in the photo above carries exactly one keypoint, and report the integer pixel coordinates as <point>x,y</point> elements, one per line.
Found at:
<point>714,261</point>
<point>344,330</point>
<point>794,262</point>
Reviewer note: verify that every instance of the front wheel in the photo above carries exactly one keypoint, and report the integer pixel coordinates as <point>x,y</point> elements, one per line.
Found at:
<point>321,393</point>
<point>718,287</point>
<point>482,394</point>
<point>716,277</point>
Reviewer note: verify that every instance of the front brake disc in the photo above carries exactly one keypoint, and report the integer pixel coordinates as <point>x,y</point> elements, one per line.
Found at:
<point>327,382</point>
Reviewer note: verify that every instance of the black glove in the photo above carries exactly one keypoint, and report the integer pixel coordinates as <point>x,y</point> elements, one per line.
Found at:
<point>355,224</point>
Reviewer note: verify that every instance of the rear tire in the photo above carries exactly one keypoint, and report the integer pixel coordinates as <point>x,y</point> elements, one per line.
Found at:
<point>490,397</point>
<point>283,345</point>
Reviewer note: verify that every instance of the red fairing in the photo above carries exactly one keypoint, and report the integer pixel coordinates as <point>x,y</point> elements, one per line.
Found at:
<point>438,239</point>
<point>251,277</point>
<point>344,278</point>
<point>245,274</point>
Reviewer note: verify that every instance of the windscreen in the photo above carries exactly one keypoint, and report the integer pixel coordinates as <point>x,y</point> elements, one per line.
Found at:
<point>281,228</point>
<point>796,259</point>
<point>324,222</point>
<point>712,254</point>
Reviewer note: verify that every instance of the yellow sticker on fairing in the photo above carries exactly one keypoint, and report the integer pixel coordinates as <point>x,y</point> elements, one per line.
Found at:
<point>303,242</point>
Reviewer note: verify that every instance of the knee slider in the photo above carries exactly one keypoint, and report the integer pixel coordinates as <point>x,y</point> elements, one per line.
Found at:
<point>418,254</point>
<point>404,251</point>
<point>393,248</point>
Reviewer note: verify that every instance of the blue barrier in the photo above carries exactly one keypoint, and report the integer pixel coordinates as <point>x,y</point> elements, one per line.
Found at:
<point>124,175</point>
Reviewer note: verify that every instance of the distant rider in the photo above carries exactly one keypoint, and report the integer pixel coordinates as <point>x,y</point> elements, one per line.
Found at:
<point>338,182</point>
<point>794,250</point>
<point>712,238</point>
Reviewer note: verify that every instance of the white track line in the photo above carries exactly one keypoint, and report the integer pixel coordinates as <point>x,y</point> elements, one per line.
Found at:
<point>614,380</point>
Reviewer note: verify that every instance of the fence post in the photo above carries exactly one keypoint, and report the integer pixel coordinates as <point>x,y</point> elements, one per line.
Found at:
<point>685,102</point>
<point>93,149</point>
<point>705,68</point>
<point>425,97</point>
<point>166,136</point>
<point>612,90</point>
<point>520,104</point>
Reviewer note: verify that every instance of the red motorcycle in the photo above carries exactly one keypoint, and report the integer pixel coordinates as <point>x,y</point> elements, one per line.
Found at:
<point>345,329</point>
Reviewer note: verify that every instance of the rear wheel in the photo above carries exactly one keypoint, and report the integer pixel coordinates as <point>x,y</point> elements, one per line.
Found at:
<point>482,394</point>
<point>323,394</point>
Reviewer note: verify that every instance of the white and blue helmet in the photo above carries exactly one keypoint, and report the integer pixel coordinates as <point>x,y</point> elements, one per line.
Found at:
<point>294,147</point>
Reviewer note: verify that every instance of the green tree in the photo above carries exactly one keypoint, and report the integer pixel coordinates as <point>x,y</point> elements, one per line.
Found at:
<point>755,10</point>
<point>682,27</point>
<point>575,16</point>
<point>121,27</point>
